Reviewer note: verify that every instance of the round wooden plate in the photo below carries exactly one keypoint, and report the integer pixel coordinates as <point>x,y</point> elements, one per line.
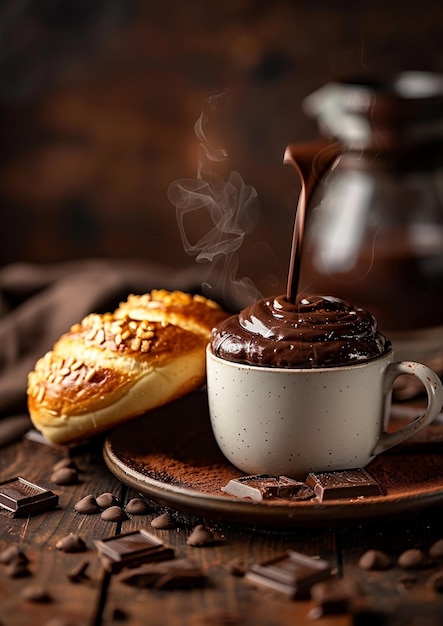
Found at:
<point>171,457</point>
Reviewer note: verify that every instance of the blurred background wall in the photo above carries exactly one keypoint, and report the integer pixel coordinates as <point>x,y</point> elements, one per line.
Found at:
<point>99,99</point>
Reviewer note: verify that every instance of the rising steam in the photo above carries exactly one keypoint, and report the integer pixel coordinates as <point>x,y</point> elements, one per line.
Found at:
<point>229,208</point>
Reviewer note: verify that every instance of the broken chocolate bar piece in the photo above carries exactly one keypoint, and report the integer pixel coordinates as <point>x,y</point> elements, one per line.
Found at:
<point>335,596</point>
<point>19,498</point>
<point>131,549</point>
<point>255,487</point>
<point>290,489</point>
<point>265,487</point>
<point>173,574</point>
<point>292,574</point>
<point>353,483</point>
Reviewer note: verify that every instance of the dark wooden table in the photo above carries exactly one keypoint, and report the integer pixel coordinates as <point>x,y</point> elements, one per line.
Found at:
<point>395,597</point>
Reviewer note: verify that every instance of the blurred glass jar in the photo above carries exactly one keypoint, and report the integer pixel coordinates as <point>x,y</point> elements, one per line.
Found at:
<point>374,225</point>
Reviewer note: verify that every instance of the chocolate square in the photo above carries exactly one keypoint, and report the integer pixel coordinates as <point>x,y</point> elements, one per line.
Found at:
<point>131,549</point>
<point>353,483</point>
<point>173,574</point>
<point>265,487</point>
<point>292,573</point>
<point>19,498</point>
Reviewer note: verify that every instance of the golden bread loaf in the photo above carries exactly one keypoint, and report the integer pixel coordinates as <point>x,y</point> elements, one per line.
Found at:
<point>110,368</point>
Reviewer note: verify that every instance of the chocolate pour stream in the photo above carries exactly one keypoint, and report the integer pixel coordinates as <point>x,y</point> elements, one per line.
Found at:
<point>311,160</point>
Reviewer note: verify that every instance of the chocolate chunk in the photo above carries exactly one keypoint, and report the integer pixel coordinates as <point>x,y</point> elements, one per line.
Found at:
<point>106,500</point>
<point>436,581</point>
<point>137,506</point>
<point>405,583</point>
<point>17,569</point>
<point>375,560</point>
<point>19,498</point>
<point>290,489</point>
<point>201,536</point>
<point>292,574</point>
<point>256,487</point>
<point>354,483</point>
<point>78,572</point>
<point>35,593</point>
<point>164,522</point>
<point>114,514</point>
<point>236,567</point>
<point>174,574</point>
<point>119,614</point>
<point>436,550</point>
<point>71,543</point>
<point>335,596</point>
<point>13,553</point>
<point>87,505</point>
<point>264,487</point>
<point>414,559</point>
<point>131,549</point>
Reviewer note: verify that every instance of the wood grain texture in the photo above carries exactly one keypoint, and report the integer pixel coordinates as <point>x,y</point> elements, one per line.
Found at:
<point>227,599</point>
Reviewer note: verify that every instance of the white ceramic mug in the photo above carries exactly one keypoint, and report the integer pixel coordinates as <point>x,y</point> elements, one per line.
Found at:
<point>289,422</point>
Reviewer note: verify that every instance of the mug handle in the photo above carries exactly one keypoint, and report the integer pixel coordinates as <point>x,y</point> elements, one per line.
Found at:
<point>434,391</point>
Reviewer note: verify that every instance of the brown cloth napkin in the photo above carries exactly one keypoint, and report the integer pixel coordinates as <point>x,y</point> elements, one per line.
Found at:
<point>39,303</point>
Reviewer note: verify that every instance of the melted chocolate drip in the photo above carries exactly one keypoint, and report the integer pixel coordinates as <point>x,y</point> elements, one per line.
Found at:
<point>311,160</point>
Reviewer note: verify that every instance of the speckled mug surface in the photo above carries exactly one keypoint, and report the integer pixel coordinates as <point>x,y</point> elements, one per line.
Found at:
<point>289,422</point>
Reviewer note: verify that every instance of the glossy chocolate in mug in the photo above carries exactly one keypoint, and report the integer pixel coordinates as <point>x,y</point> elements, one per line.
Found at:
<point>313,331</point>
<point>310,390</point>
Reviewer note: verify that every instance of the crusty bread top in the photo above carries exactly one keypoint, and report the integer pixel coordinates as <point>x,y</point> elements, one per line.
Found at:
<point>194,313</point>
<point>93,364</point>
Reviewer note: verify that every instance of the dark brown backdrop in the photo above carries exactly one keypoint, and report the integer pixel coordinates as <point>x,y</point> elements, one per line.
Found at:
<point>98,103</point>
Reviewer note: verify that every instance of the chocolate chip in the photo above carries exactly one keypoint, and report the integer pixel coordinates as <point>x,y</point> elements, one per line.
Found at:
<point>78,573</point>
<point>414,559</point>
<point>164,522</point>
<point>35,593</point>
<point>201,536</point>
<point>375,560</point>
<point>65,462</point>
<point>236,567</point>
<point>106,500</point>
<point>65,476</point>
<point>13,553</point>
<point>405,583</point>
<point>436,550</point>
<point>114,514</point>
<point>436,581</point>
<point>119,615</point>
<point>16,569</point>
<point>71,543</point>
<point>87,505</point>
<point>137,506</point>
